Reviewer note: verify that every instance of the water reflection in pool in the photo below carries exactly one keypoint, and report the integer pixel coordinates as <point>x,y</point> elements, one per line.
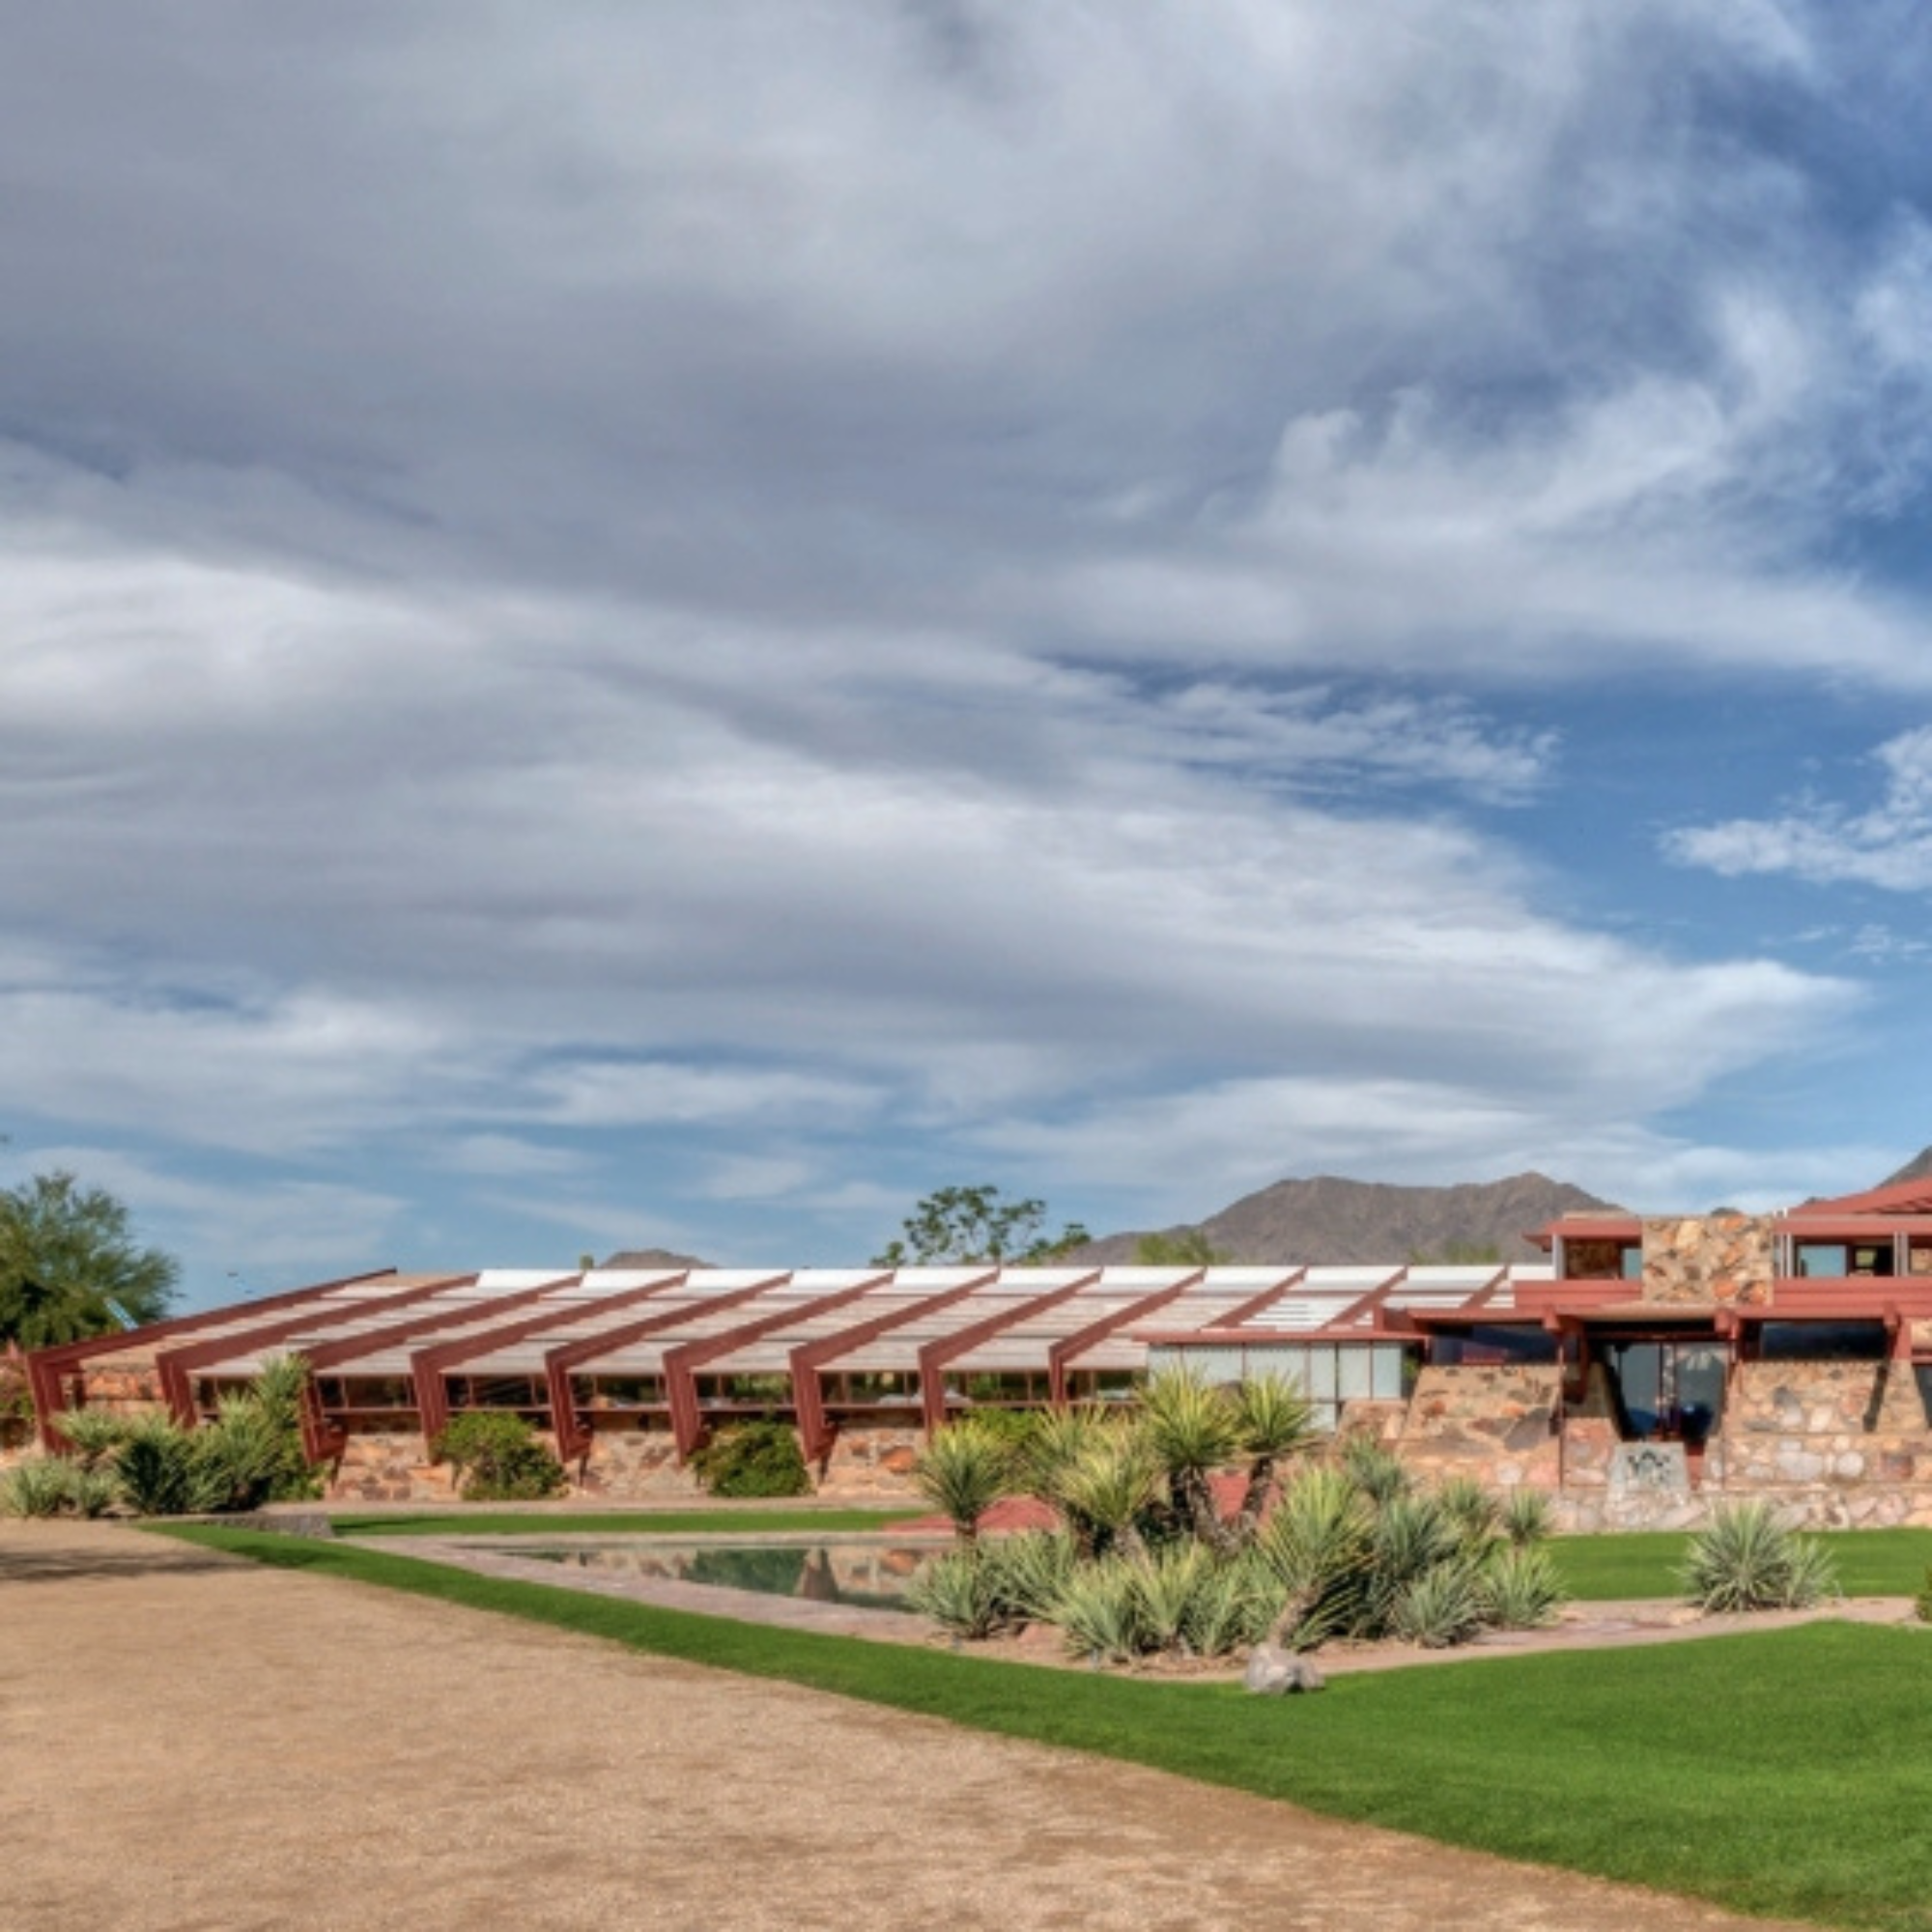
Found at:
<point>870,1576</point>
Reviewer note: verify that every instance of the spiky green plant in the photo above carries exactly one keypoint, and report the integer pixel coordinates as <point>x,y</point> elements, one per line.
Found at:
<point>1029,1571</point>
<point>157,1468</point>
<point>1193,1428</point>
<point>1107,1488</point>
<point>93,1434</point>
<point>1099,1611</point>
<point>38,1485</point>
<point>93,1493</point>
<point>1474,1509</point>
<point>1374,1468</point>
<point>1169,1580</point>
<point>1234,1607</point>
<point>1274,1421</point>
<point>1439,1607</point>
<point>1746,1559</point>
<point>1527,1517</point>
<point>960,1592</point>
<point>1520,1589</point>
<point>962,1472</point>
<point>1317,1543</point>
<point>1056,1440</point>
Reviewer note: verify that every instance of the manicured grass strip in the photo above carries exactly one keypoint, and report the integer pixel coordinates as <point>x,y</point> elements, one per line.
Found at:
<point>1869,1562</point>
<point>658,1523</point>
<point>1788,1774</point>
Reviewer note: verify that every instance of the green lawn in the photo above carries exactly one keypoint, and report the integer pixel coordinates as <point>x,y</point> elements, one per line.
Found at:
<point>1788,1774</point>
<point>1869,1562</point>
<point>660,1523</point>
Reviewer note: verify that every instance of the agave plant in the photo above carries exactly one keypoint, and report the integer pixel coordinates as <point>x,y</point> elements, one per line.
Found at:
<point>1274,1421</point>
<point>1102,1493</point>
<point>1029,1571</point>
<point>1056,1440</point>
<point>1474,1512</point>
<point>93,1434</point>
<point>1745,1559</point>
<point>1168,1581</point>
<point>1193,1428</point>
<point>1374,1468</point>
<point>38,1485</point>
<point>1317,1545</point>
<point>964,1471</point>
<point>1099,1611</point>
<point>1527,1518</point>
<point>1439,1607</point>
<point>1232,1606</point>
<point>1520,1589</point>
<point>960,1593</point>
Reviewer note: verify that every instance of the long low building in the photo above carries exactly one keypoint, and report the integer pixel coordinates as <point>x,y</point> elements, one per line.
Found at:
<point>1647,1358</point>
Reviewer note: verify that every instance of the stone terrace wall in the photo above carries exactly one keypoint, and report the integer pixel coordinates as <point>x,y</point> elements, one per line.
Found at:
<point>1832,1423</point>
<point>1710,1260</point>
<point>388,1466</point>
<point>1495,1422</point>
<point>632,1462</point>
<point>872,1461</point>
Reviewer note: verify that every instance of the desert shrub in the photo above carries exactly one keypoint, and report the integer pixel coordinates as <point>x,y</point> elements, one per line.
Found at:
<point>157,1469</point>
<point>1099,1611</point>
<point>38,1485</point>
<point>962,1472</point>
<point>498,1457</point>
<point>1527,1518</point>
<point>961,1592</point>
<point>752,1458</point>
<point>1745,1559</point>
<point>1520,1589</point>
<point>1438,1606</point>
<point>92,1436</point>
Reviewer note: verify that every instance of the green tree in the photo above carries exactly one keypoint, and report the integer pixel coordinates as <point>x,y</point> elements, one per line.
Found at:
<point>1457,1254</point>
<point>1179,1248</point>
<point>972,1224</point>
<point>70,1267</point>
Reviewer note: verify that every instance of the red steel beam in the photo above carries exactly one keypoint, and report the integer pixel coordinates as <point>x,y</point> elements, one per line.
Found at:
<point>682,1363</point>
<point>1365,1304</point>
<point>572,1440</point>
<point>429,1366</point>
<point>1064,1351</point>
<point>807,1392</point>
<point>934,1357</point>
<point>1230,1325</point>
<point>46,1366</point>
<point>323,1439</point>
<point>177,1366</point>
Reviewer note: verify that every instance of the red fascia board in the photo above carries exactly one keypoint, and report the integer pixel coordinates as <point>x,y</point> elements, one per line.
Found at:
<point>808,1393</point>
<point>571,1440</point>
<point>1835,1228</point>
<point>1064,1351</point>
<point>177,1366</point>
<point>682,1363</point>
<point>1860,1297</point>
<point>1541,1298</point>
<point>429,1366</point>
<point>934,1357</point>
<point>46,1366</point>
<point>320,1438</point>
<point>1597,1228</point>
<point>1897,1197</point>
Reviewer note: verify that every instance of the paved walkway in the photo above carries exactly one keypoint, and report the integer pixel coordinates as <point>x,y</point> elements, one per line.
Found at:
<point>199,1744</point>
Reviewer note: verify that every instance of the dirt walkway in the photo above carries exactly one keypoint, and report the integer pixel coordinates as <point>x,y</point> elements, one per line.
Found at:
<point>192,1741</point>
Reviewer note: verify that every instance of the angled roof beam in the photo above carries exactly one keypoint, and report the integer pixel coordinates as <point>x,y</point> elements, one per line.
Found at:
<point>682,1363</point>
<point>178,1366</point>
<point>1064,1351</point>
<point>807,1392</point>
<point>321,1441</point>
<point>572,1439</point>
<point>429,1366</point>
<point>1231,1323</point>
<point>1369,1304</point>
<point>46,1366</point>
<point>934,1357</point>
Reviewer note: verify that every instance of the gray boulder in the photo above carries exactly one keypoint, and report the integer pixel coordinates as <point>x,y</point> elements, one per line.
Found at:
<point>1276,1673</point>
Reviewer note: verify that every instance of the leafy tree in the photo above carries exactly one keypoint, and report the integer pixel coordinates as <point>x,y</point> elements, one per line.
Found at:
<point>1179,1248</point>
<point>1457,1254</point>
<point>972,1224</point>
<point>70,1267</point>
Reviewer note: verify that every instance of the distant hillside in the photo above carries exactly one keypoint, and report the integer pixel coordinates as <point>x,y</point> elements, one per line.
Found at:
<point>1918,1168</point>
<point>1329,1219</point>
<point>652,1258</point>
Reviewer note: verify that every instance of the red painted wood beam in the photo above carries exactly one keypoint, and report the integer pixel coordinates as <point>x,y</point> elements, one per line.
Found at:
<point>323,1439</point>
<point>1064,1351</point>
<point>177,1367</point>
<point>572,1440</point>
<point>682,1363</point>
<point>46,1366</point>
<point>1363,1304</point>
<point>806,1361</point>
<point>429,1366</point>
<point>934,1357</point>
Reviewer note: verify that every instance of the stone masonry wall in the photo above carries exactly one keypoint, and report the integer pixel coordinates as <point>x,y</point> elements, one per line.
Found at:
<point>872,1461</point>
<point>1495,1421</point>
<point>627,1462</point>
<point>1710,1260</point>
<point>1832,1423</point>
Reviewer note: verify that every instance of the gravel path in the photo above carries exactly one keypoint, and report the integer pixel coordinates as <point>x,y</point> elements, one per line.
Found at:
<point>193,1741</point>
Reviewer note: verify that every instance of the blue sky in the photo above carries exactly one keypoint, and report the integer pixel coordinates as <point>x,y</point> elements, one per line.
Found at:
<point>673,625</point>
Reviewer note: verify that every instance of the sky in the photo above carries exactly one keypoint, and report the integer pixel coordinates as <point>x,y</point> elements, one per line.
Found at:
<point>675,624</point>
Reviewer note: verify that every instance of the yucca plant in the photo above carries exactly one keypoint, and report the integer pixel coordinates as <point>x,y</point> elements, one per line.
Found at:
<point>962,1472</point>
<point>1439,1607</point>
<point>1474,1509</point>
<point>38,1485</point>
<point>1374,1468</point>
<point>1520,1589</point>
<point>157,1468</point>
<point>959,1591</point>
<point>1168,1581</point>
<point>1414,1535</point>
<point>1056,1440</point>
<point>93,1434</point>
<point>1527,1517</point>
<point>1232,1607</point>
<point>1098,1613</point>
<point>1107,1488</point>
<point>1317,1545</point>
<point>1029,1571</point>
<point>93,1493</point>
<point>1194,1429</point>
<point>1274,1421</point>
<point>1746,1559</point>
